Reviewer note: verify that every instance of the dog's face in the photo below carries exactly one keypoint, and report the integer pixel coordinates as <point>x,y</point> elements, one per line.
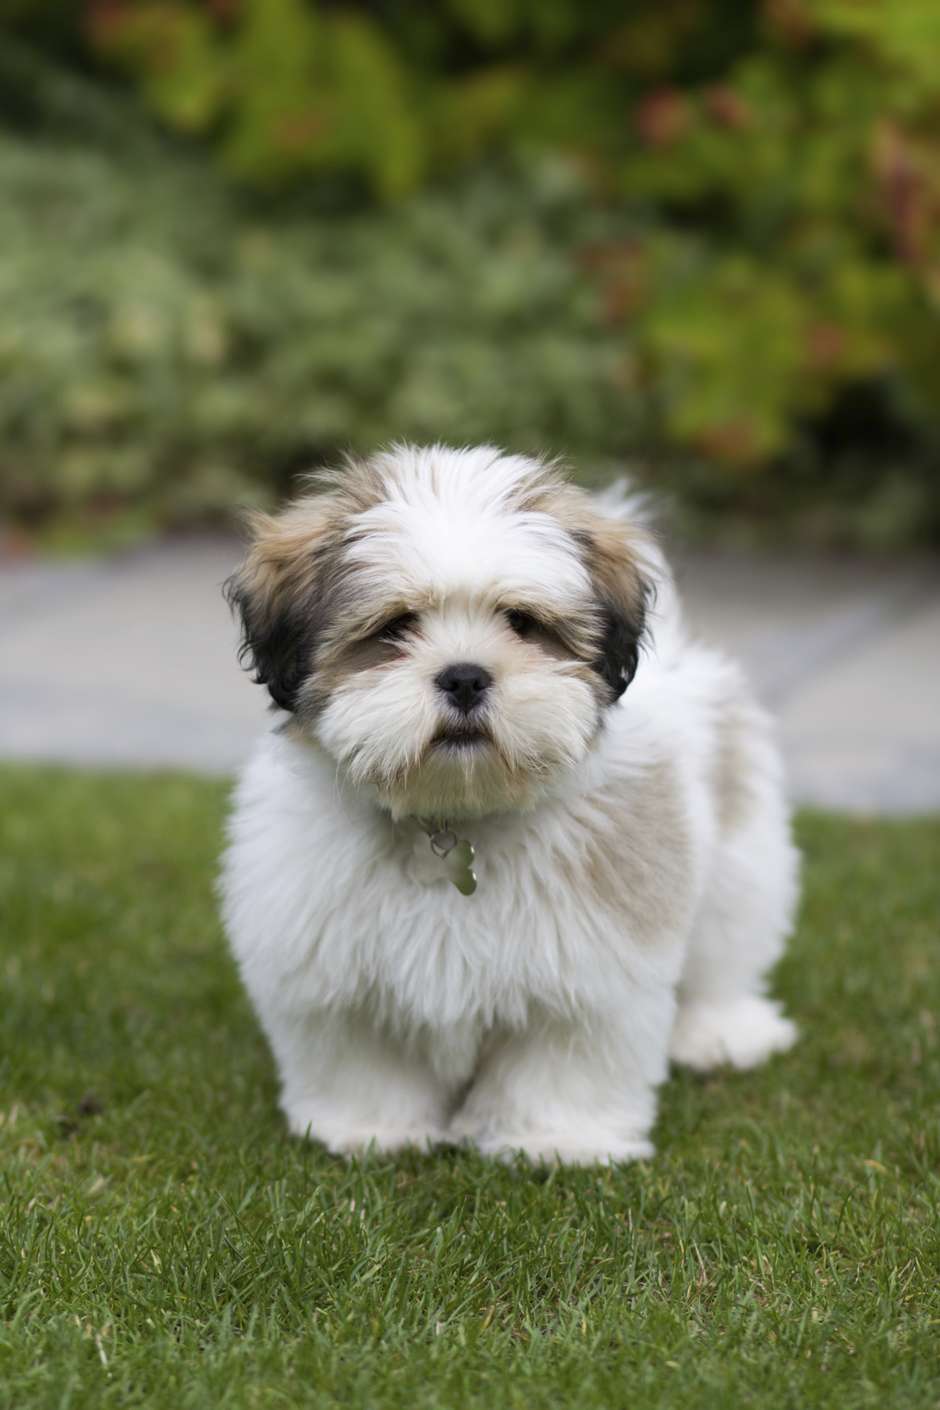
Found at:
<point>451,626</point>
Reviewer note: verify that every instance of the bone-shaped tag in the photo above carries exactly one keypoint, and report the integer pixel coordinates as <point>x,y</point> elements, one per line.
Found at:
<point>457,855</point>
<point>460,865</point>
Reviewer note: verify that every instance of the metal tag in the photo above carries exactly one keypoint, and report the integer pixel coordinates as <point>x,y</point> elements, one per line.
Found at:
<point>457,855</point>
<point>460,863</point>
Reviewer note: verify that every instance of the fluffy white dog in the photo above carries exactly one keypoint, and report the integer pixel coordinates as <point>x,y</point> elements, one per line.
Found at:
<point>517,840</point>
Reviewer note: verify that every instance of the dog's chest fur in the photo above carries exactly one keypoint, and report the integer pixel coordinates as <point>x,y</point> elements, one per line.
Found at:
<point>361,914</point>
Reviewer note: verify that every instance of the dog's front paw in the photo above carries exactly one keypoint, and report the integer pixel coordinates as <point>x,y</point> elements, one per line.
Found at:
<point>355,1140</point>
<point>739,1032</point>
<point>552,1147</point>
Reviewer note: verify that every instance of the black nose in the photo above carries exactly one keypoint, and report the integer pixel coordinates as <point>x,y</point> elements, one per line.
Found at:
<point>464,685</point>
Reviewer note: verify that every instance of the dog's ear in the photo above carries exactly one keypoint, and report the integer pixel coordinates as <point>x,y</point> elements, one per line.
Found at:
<point>613,555</point>
<point>279,594</point>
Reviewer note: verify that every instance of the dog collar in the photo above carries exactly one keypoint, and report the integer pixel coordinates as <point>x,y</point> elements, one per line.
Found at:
<point>455,853</point>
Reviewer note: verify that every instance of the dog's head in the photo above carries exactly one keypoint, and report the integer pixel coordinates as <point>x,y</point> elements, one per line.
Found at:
<point>450,625</point>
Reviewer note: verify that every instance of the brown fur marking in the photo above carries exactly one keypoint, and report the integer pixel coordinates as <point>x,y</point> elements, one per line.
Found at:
<point>636,853</point>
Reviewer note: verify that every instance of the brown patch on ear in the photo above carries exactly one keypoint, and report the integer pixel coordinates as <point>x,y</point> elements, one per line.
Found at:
<point>623,593</point>
<point>282,592</point>
<point>613,553</point>
<point>288,592</point>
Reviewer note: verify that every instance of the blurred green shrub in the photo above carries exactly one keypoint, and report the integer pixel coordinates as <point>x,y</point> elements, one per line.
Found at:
<point>749,269</point>
<point>789,150</point>
<point>165,355</point>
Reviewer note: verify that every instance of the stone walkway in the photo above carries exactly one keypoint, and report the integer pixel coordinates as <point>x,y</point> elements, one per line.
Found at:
<point>130,662</point>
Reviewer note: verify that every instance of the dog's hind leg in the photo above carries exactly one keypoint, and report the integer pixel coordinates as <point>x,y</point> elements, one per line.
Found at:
<point>746,913</point>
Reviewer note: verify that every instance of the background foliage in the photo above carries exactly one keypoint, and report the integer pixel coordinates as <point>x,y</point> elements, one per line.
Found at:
<point>243,233</point>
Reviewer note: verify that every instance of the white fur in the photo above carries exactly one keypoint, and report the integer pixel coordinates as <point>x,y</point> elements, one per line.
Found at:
<point>537,1015</point>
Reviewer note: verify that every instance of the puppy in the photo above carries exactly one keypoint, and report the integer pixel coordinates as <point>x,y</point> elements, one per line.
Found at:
<point>516,840</point>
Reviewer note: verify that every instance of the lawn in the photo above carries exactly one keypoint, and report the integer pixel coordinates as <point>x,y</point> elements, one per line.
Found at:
<point>163,1244</point>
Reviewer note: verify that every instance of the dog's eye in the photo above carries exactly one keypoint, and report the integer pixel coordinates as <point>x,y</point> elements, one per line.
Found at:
<point>397,627</point>
<point>522,623</point>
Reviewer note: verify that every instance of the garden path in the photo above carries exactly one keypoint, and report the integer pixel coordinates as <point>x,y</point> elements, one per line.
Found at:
<point>130,662</point>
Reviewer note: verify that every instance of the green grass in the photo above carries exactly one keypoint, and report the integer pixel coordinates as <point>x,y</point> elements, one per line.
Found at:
<point>163,1244</point>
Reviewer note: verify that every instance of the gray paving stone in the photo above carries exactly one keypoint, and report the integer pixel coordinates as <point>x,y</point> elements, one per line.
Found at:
<point>865,733</point>
<point>131,662</point>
